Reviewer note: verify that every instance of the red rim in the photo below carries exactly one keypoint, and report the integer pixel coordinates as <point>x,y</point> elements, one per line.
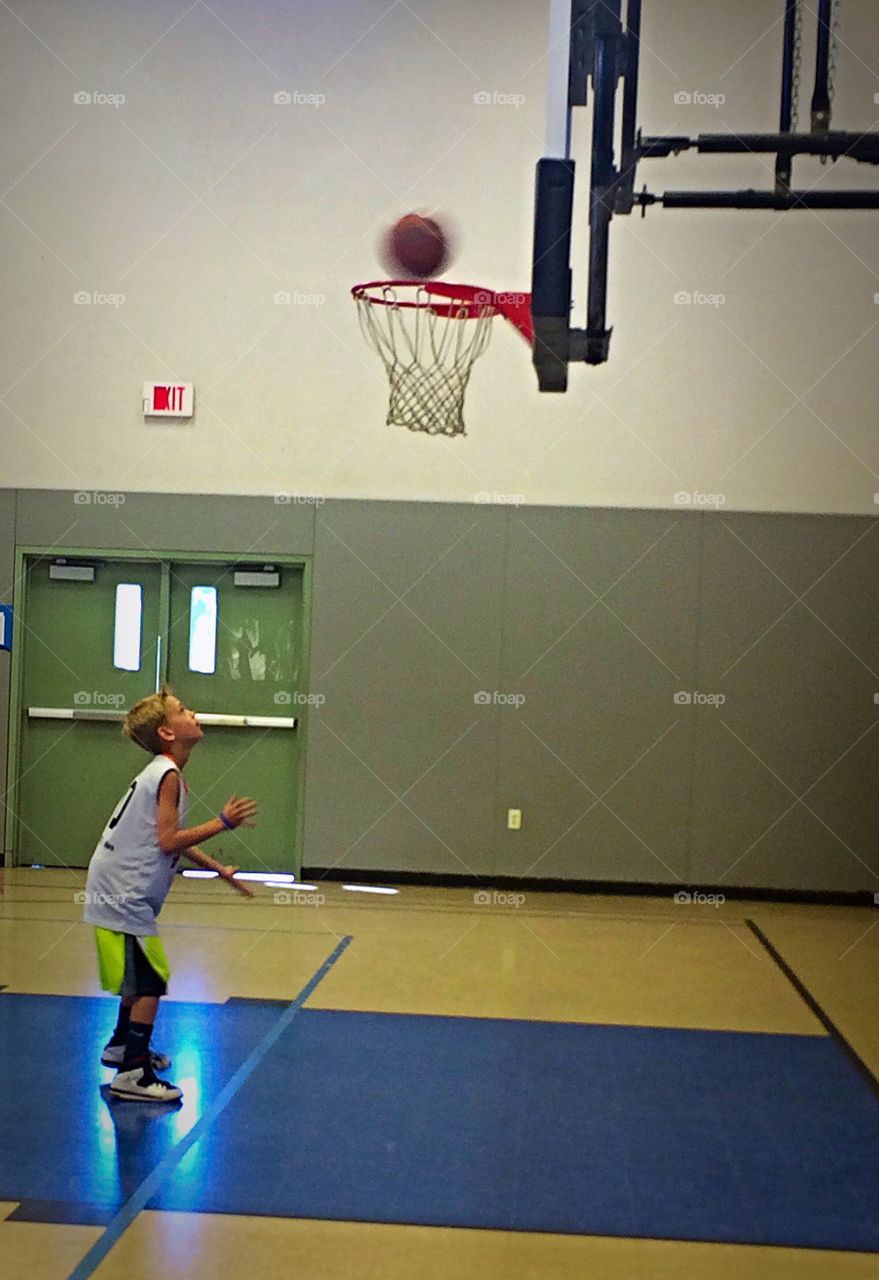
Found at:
<point>466,301</point>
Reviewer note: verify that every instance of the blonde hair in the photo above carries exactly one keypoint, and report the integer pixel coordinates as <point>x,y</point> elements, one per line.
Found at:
<point>141,724</point>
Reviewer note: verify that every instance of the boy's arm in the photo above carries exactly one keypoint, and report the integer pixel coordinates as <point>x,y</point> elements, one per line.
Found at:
<point>174,840</point>
<point>202,859</point>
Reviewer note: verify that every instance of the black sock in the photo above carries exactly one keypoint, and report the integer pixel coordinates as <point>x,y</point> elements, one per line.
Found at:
<point>137,1045</point>
<point>121,1032</point>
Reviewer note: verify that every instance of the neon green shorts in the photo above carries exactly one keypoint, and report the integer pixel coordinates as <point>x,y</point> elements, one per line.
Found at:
<point>130,966</point>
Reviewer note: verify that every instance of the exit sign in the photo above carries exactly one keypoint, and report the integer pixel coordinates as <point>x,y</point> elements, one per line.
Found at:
<point>168,399</point>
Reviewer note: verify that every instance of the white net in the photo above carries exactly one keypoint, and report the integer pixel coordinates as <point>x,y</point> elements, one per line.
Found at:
<point>428,346</point>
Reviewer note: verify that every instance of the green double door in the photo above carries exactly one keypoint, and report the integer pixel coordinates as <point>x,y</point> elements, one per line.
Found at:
<point>91,648</point>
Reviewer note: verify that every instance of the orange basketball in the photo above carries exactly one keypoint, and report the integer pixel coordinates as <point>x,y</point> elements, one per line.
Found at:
<point>415,247</point>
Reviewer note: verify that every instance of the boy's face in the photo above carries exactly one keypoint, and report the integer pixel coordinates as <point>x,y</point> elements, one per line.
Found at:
<point>181,721</point>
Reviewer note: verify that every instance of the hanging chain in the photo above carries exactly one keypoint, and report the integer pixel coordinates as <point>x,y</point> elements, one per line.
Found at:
<point>834,48</point>
<point>798,64</point>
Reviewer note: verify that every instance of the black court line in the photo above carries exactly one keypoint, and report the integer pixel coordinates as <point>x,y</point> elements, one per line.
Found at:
<point>76,1213</point>
<point>265,1001</point>
<point>824,1018</point>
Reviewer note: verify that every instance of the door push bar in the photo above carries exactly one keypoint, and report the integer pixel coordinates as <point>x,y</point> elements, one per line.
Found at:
<point>207,717</point>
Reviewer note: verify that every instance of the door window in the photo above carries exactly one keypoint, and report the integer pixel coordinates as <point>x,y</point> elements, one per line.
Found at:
<point>203,630</point>
<point>128,626</point>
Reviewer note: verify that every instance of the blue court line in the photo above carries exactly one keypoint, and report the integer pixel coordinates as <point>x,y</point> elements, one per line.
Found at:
<point>144,1193</point>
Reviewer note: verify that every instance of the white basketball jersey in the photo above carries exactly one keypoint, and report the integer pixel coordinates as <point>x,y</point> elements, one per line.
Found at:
<point>129,876</point>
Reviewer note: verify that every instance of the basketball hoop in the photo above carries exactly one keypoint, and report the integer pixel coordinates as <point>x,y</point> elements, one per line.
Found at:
<point>428,334</point>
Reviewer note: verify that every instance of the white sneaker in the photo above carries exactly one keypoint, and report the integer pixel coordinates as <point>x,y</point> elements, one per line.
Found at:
<point>141,1083</point>
<point>114,1056</point>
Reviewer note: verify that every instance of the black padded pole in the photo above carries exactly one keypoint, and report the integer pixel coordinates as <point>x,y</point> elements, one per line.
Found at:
<point>821,96</point>
<point>604,177</point>
<point>551,272</point>
<point>783,163</point>
<point>628,148</point>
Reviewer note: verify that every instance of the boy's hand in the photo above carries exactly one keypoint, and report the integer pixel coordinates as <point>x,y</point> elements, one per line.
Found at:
<point>238,809</point>
<point>228,873</point>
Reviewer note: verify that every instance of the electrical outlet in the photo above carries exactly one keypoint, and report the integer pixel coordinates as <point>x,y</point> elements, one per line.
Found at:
<point>514,819</point>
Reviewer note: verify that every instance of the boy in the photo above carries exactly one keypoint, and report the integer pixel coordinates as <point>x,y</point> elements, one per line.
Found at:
<point>129,876</point>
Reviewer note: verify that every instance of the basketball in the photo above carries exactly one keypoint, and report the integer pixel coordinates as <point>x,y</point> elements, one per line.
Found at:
<point>415,247</point>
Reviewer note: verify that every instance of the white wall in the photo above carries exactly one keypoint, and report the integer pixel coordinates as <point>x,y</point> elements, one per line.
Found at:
<point>199,198</point>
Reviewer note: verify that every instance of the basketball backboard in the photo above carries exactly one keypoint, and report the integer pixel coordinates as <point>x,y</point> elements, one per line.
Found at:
<point>593,49</point>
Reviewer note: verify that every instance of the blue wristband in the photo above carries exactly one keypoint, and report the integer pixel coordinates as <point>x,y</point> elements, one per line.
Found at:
<point>230,826</point>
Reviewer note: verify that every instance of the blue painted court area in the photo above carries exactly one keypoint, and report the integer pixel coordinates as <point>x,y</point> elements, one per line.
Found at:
<point>69,1148</point>
<point>470,1122</point>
